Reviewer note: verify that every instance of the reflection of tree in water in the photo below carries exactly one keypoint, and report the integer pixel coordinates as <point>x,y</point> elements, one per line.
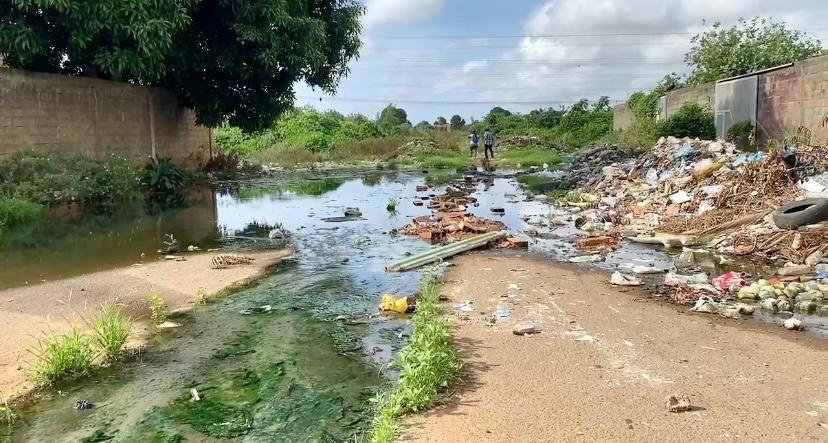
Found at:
<point>313,187</point>
<point>372,179</point>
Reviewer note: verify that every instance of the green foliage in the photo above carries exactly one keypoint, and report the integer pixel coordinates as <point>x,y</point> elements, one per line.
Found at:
<point>428,364</point>
<point>392,204</point>
<point>529,157</point>
<point>641,135</point>
<point>424,126</point>
<point>164,182</point>
<point>690,121</point>
<point>15,212</point>
<point>57,356</point>
<point>748,46</point>
<point>158,309</point>
<point>393,121</point>
<point>110,330</point>
<point>54,178</point>
<point>742,135</point>
<point>229,60</point>
<point>457,122</point>
<point>645,105</point>
<point>584,123</point>
<point>200,298</point>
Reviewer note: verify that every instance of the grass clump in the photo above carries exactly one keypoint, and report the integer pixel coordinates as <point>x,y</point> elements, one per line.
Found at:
<point>200,297</point>
<point>110,330</point>
<point>16,212</point>
<point>428,364</point>
<point>158,309</point>
<point>58,356</point>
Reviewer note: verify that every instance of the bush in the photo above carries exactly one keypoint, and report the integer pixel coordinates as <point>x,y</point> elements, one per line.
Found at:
<point>690,121</point>
<point>741,134</point>
<point>58,356</point>
<point>163,182</point>
<point>54,178</point>
<point>158,309</point>
<point>641,135</point>
<point>110,330</point>
<point>14,211</point>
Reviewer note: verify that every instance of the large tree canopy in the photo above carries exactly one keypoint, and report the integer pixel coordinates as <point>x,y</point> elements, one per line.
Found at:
<point>230,60</point>
<point>746,47</point>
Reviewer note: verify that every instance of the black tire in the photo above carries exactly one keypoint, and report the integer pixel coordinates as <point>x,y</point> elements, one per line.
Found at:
<point>809,211</point>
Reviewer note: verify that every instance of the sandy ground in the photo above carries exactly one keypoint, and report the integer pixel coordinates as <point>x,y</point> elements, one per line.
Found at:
<point>607,359</point>
<point>54,306</point>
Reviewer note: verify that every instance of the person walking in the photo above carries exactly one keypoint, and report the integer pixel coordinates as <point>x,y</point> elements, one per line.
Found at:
<point>474,141</point>
<point>488,143</point>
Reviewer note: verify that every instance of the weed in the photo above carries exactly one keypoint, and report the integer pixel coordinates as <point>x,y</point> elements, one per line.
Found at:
<point>428,364</point>
<point>691,120</point>
<point>640,136</point>
<point>110,330</point>
<point>158,309</point>
<point>529,157</point>
<point>200,297</point>
<point>392,204</point>
<point>15,212</point>
<point>7,414</point>
<point>57,356</point>
<point>163,183</point>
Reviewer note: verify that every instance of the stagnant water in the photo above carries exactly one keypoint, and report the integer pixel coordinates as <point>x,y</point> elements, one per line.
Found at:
<point>292,373</point>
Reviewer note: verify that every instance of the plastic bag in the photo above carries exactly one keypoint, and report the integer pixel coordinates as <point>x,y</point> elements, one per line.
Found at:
<point>391,304</point>
<point>729,280</point>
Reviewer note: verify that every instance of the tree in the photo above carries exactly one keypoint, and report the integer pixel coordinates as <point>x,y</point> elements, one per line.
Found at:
<point>746,47</point>
<point>424,126</point>
<point>645,105</point>
<point>457,122</point>
<point>440,121</point>
<point>393,120</point>
<point>230,60</point>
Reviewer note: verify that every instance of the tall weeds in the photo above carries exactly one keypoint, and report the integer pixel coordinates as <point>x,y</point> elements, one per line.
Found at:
<point>428,364</point>
<point>110,330</point>
<point>57,356</point>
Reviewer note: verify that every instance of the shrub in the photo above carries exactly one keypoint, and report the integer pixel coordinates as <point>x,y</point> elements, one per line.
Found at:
<point>54,178</point>
<point>741,134</point>
<point>690,121</point>
<point>163,182</point>
<point>15,211</point>
<point>641,135</point>
<point>200,298</point>
<point>158,309</point>
<point>58,356</point>
<point>110,330</point>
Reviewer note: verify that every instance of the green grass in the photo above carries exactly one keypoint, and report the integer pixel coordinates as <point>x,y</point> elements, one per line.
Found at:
<point>428,364</point>
<point>158,309</point>
<point>15,212</point>
<point>110,330</point>
<point>528,157</point>
<point>58,356</point>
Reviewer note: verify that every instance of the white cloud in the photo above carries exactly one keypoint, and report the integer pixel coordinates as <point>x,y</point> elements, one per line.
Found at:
<point>474,65</point>
<point>387,12</point>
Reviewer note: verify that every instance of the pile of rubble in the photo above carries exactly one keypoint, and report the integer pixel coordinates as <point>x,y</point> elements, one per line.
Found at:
<point>450,222</point>
<point>583,170</point>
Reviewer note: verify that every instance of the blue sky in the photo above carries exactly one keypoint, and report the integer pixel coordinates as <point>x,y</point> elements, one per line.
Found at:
<point>444,57</point>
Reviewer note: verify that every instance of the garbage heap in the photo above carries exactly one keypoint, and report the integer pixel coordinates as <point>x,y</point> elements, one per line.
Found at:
<point>688,192</point>
<point>450,222</point>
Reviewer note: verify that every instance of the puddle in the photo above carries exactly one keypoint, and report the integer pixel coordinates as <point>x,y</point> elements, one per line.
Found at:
<point>293,373</point>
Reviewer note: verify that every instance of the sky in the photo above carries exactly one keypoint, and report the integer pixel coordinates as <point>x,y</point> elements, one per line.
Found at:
<point>444,57</point>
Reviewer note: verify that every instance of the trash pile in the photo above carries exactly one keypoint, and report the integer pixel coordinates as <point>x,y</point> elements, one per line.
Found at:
<point>450,222</point>
<point>583,170</point>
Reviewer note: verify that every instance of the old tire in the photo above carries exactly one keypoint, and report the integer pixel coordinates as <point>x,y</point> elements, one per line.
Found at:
<point>809,211</point>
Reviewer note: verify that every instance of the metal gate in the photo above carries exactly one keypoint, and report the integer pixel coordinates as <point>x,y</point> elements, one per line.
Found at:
<point>735,102</point>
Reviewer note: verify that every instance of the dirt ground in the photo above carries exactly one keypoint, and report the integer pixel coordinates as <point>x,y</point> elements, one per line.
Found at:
<point>55,305</point>
<point>606,361</point>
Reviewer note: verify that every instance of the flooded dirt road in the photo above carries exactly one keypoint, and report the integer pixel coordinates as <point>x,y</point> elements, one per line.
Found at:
<point>296,355</point>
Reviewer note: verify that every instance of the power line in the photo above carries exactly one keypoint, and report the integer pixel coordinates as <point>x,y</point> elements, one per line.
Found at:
<point>568,35</point>
<point>448,102</point>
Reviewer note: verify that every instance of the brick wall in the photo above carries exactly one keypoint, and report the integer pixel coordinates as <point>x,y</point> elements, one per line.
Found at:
<point>792,97</point>
<point>704,94</point>
<point>622,117</point>
<point>96,117</point>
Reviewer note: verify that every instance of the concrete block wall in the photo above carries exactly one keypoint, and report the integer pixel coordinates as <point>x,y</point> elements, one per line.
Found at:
<point>704,95</point>
<point>622,117</point>
<point>97,118</point>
